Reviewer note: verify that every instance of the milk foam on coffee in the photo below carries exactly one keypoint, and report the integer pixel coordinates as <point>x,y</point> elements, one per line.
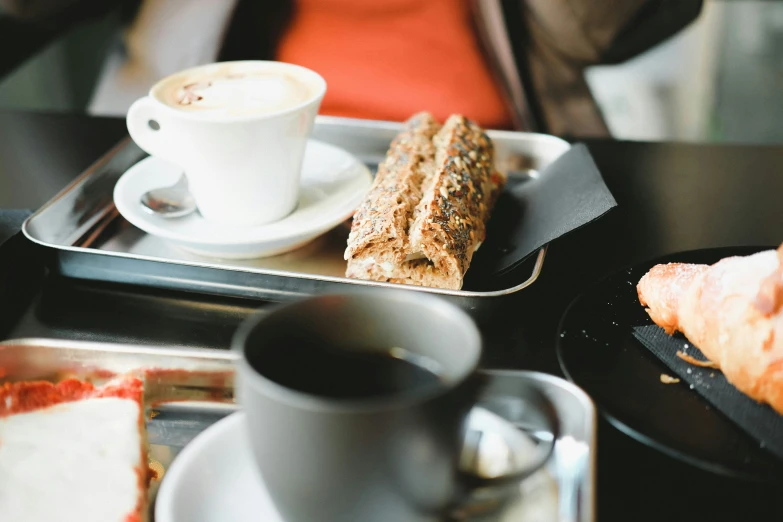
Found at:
<point>234,91</point>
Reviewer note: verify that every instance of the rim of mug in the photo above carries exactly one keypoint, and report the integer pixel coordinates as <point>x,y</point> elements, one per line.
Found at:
<point>320,83</point>
<point>383,403</point>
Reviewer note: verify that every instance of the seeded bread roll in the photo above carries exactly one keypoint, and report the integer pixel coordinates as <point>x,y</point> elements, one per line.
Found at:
<point>427,211</point>
<point>380,225</point>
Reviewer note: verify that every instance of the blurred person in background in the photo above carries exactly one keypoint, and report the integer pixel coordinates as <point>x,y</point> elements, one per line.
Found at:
<point>505,63</point>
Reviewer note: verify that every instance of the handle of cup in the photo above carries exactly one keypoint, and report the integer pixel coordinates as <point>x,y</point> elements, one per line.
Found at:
<point>512,396</point>
<point>146,126</point>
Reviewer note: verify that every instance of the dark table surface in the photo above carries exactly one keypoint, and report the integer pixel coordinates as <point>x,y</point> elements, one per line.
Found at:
<point>671,196</point>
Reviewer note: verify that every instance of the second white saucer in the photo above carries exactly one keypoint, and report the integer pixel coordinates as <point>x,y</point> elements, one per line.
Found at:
<point>333,184</point>
<point>214,478</point>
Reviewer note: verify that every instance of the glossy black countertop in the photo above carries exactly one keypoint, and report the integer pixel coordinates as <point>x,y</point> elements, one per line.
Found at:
<point>672,197</point>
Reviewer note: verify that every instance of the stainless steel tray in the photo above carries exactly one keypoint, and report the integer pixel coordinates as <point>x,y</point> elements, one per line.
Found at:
<point>91,241</point>
<point>187,402</point>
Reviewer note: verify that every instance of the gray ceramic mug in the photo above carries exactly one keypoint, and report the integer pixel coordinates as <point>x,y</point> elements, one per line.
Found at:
<point>335,446</point>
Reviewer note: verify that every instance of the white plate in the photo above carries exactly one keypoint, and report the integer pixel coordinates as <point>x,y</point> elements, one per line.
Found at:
<point>333,184</point>
<point>214,478</point>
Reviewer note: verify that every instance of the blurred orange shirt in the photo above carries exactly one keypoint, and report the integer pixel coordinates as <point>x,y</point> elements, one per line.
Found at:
<point>387,59</point>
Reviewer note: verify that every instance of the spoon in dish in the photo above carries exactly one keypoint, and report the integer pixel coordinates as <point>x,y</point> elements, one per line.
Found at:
<point>170,202</point>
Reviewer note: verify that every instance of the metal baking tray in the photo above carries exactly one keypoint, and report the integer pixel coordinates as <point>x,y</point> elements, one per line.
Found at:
<point>190,389</point>
<point>91,240</point>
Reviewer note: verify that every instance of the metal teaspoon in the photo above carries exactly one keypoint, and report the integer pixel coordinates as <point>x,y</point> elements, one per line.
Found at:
<point>170,202</point>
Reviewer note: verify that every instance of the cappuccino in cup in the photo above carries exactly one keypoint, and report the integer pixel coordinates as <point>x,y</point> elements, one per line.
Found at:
<point>238,130</point>
<point>233,89</point>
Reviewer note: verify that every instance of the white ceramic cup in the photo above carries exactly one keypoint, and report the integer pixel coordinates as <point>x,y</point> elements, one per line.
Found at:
<point>242,169</point>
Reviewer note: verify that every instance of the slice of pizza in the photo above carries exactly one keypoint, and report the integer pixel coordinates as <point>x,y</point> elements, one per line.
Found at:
<point>73,451</point>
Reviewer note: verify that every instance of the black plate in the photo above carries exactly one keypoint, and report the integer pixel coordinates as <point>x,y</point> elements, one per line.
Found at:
<point>598,352</point>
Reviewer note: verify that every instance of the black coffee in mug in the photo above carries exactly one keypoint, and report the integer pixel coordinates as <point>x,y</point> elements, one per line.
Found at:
<point>357,408</point>
<point>319,367</point>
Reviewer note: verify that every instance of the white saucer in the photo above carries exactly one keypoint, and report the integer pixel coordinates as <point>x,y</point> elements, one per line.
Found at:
<point>214,478</point>
<point>333,184</point>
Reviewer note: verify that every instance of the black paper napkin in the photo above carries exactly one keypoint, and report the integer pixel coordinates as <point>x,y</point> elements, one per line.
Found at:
<point>567,195</point>
<point>758,420</point>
